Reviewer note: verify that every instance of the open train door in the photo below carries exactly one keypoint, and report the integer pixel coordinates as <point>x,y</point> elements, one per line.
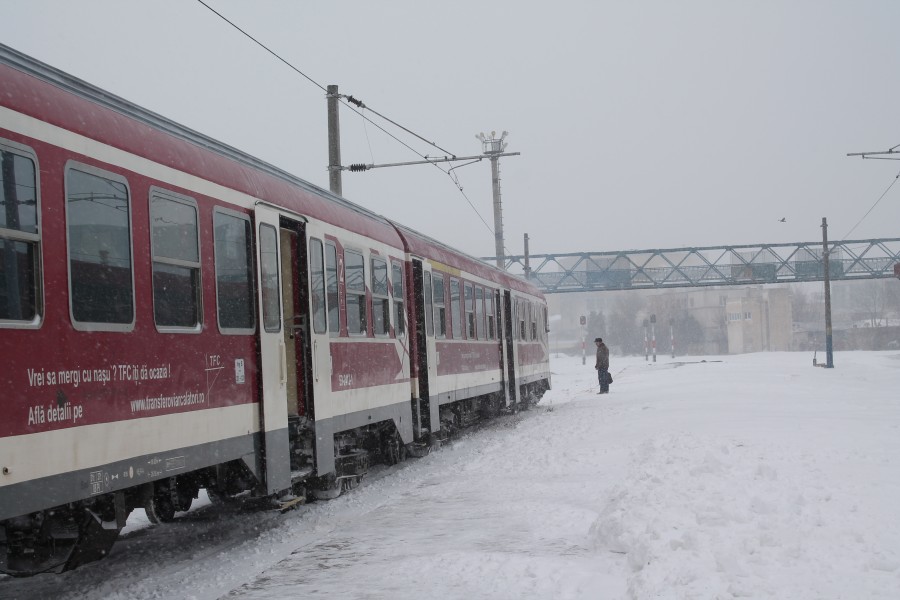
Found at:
<point>273,359</point>
<point>425,412</point>
<point>510,352</point>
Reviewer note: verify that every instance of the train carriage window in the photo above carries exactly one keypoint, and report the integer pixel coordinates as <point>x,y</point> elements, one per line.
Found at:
<point>479,311</point>
<point>397,290</point>
<point>546,321</point>
<point>440,307</point>
<point>489,308</point>
<point>331,276</point>
<point>20,240</point>
<point>429,306</point>
<point>317,286</point>
<point>174,243</point>
<point>269,273</point>
<point>355,272</point>
<point>234,272</point>
<point>455,306</point>
<point>381,304</point>
<point>470,310</point>
<point>533,316</point>
<point>522,327</point>
<point>98,225</point>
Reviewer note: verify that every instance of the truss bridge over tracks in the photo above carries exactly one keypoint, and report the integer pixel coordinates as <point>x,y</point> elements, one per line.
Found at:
<point>708,266</point>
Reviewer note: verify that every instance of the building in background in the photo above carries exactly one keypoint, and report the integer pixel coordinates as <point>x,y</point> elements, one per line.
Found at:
<point>759,320</point>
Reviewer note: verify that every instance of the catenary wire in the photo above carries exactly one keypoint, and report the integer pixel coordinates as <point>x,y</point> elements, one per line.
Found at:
<point>361,105</point>
<point>897,176</point>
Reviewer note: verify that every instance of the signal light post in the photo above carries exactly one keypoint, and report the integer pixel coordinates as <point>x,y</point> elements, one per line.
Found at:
<point>646,341</point>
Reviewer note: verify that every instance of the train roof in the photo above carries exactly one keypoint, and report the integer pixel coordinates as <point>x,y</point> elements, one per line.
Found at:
<point>38,90</point>
<point>421,245</point>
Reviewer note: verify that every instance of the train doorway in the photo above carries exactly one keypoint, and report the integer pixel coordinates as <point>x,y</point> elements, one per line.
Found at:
<point>286,392</point>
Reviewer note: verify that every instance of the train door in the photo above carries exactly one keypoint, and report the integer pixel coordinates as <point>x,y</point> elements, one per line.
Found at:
<point>320,301</point>
<point>425,412</point>
<point>510,351</point>
<point>272,351</point>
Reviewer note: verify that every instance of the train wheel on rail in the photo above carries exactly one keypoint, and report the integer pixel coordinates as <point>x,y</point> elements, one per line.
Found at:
<point>169,496</point>
<point>327,487</point>
<point>393,448</point>
<point>159,509</point>
<point>350,483</point>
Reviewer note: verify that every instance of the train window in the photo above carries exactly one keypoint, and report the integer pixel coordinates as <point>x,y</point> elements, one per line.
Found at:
<point>546,321</point>
<point>331,277</point>
<point>440,307</point>
<point>381,304</point>
<point>20,239</point>
<point>455,316</point>
<point>317,285</point>
<point>98,224</point>
<point>234,272</point>
<point>397,289</point>
<point>269,274</point>
<point>522,328</point>
<point>489,309</point>
<point>470,310</point>
<point>429,306</point>
<point>355,270</point>
<point>533,315</point>
<point>174,243</point>
<point>479,311</point>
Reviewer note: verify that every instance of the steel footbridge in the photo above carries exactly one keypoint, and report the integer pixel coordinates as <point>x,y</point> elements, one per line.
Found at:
<point>708,266</point>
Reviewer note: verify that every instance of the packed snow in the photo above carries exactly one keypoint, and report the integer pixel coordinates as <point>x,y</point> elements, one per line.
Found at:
<point>751,476</point>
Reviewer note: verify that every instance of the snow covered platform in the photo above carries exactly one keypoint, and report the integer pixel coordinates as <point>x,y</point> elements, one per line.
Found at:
<point>755,477</point>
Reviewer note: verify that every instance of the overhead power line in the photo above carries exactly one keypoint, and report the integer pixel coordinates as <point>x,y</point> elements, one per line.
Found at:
<point>897,176</point>
<point>351,100</point>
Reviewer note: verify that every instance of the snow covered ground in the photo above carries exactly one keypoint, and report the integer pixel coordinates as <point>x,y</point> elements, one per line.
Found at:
<point>753,476</point>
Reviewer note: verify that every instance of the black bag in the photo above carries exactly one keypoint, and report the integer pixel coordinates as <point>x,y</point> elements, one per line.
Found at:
<point>609,378</point>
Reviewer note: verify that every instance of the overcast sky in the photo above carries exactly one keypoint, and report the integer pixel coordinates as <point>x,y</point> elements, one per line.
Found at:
<point>642,124</point>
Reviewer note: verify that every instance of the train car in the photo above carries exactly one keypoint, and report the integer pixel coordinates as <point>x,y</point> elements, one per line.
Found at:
<point>470,358</point>
<point>176,315</point>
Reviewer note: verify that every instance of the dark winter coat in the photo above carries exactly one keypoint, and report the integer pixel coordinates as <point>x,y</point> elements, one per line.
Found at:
<point>602,357</point>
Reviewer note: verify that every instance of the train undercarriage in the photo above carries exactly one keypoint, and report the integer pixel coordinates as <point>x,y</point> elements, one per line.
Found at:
<point>65,537</point>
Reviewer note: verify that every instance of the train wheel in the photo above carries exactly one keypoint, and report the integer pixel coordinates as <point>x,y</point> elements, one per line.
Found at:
<point>394,449</point>
<point>159,509</point>
<point>328,488</point>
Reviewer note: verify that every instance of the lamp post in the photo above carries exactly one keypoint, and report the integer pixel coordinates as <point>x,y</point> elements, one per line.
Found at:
<point>829,347</point>
<point>494,146</point>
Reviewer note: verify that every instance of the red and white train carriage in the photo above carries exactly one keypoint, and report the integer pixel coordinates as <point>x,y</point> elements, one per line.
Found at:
<point>175,314</point>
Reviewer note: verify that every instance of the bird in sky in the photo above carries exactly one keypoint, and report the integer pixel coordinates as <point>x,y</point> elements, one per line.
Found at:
<point>782,220</point>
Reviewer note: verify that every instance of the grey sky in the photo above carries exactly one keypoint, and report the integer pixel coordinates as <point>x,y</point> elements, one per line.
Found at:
<point>641,124</point>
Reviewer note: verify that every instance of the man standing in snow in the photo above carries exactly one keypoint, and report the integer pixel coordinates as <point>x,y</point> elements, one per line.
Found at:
<point>602,365</point>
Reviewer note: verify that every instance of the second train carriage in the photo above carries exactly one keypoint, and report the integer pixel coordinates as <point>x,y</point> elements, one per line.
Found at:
<point>175,314</point>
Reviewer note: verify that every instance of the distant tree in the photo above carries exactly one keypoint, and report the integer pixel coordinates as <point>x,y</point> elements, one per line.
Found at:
<point>596,326</point>
<point>869,301</point>
<point>689,336</point>
<point>625,328</point>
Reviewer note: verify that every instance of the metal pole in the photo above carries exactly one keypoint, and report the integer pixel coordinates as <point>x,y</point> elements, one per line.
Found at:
<point>527,267</point>
<point>829,347</point>
<point>653,335</point>
<point>646,341</point>
<point>583,351</point>
<point>672,335</point>
<point>334,140</point>
<point>498,214</point>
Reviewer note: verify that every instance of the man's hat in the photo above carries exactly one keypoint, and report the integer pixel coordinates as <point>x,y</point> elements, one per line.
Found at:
<point>598,339</point>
